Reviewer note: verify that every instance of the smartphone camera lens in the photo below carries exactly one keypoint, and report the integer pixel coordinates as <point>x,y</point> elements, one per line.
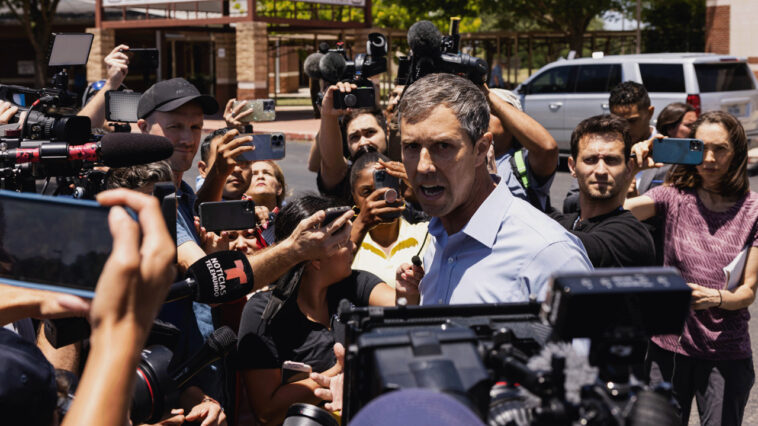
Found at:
<point>695,146</point>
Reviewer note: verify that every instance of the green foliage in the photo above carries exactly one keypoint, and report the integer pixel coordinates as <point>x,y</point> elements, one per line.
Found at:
<point>674,26</point>
<point>399,14</point>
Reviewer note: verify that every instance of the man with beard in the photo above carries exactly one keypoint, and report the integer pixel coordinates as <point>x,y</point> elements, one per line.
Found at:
<point>600,161</point>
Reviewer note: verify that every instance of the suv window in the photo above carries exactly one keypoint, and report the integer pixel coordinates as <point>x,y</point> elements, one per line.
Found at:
<point>723,77</point>
<point>598,78</point>
<point>662,77</point>
<point>554,80</point>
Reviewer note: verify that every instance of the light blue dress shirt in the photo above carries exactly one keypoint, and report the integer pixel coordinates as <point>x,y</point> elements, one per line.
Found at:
<point>505,253</point>
<point>505,171</point>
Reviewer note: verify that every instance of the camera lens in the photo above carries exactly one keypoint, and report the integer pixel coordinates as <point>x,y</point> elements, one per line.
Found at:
<point>350,100</point>
<point>695,146</point>
<point>390,196</point>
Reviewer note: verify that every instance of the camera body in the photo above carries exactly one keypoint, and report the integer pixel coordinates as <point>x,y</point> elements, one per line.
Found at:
<point>447,59</point>
<point>362,97</point>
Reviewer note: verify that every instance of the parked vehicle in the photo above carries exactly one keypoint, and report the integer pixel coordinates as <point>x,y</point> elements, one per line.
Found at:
<point>565,92</point>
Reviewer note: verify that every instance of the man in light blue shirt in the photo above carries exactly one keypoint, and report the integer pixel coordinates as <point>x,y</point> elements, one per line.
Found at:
<point>489,246</point>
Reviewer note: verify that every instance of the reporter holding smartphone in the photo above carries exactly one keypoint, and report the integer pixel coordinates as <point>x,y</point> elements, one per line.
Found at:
<point>301,330</point>
<point>710,217</point>
<point>383,239</point>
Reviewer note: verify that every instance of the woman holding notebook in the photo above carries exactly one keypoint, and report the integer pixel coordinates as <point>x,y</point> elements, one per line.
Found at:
<point>710,219</point>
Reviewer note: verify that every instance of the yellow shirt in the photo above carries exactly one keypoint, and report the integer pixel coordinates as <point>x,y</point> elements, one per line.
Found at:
<point>372,258</point>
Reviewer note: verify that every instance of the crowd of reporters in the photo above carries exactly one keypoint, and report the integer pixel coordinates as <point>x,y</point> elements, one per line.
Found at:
<point>470,221</point>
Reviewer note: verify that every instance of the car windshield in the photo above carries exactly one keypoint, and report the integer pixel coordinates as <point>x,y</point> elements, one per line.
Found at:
<point>723,77</point>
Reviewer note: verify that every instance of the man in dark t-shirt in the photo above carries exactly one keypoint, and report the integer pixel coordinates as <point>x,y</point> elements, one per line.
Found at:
<point>600,161</point>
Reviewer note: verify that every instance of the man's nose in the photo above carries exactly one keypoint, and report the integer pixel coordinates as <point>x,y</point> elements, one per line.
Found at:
<point>425,163</point>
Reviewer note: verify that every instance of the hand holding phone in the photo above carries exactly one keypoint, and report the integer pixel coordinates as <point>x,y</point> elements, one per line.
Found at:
<point>678,151</point>
<point>268,146</point>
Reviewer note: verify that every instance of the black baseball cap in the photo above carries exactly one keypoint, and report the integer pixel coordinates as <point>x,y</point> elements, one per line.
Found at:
<point>168,95</point>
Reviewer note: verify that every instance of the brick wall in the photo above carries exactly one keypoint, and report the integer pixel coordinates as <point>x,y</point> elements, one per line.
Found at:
<point>225,67</point>
<point>289,69</point>
<point>717,23</point>
<point>102,43</point>
<point>251,59</point>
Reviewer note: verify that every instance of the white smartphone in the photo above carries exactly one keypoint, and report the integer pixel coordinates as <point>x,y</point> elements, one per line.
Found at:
<point>293,371</point>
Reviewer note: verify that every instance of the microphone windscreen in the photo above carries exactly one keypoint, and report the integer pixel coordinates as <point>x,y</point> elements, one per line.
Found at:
<point>222,340</point>
<point>332,66</point>
<point>424,39</point>
<point>221,277</point>
<point>310,65</point>
<point>130,149</point>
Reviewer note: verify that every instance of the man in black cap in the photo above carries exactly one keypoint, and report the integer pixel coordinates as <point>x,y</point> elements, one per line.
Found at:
<point>174,109</point>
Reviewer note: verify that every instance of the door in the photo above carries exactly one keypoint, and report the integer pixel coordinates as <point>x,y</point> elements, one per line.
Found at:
<point>544,100</point>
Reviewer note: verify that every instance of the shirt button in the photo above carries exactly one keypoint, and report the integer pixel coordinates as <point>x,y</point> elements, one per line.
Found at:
<point>450,260</point>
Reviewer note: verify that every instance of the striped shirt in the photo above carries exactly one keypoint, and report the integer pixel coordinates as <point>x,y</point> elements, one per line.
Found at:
<point>700,243</point>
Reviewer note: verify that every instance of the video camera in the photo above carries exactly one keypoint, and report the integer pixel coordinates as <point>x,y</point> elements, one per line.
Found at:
<point>502,360</point>
<point>333,65</point>
<point>433,53</point>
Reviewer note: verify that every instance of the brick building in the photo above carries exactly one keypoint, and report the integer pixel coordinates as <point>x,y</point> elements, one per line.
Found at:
<point>729,29</point>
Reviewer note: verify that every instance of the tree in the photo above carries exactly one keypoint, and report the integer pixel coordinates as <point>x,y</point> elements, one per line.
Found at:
<point>36,18</point>
<point>674,25</point>
<point>569,18</point>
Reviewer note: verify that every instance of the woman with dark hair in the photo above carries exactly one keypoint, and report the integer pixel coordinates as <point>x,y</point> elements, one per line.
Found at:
<point>383,239</point>
<point>710,220</point>
<point>675,121</point>
<point>301,329</point>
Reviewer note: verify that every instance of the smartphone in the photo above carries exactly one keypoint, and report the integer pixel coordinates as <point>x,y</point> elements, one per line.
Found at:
<point>227,215</point>
<point>293,371</point>
<point>263,110</point>
<point>333,213</point>
<point>268,146</point>
<point>678,151</point>
<point>143,59</point>
<point>53,243</point>
<point>362,97</point>
<point>121,107</point>
<point>382,179</point>
<point>69,49</point>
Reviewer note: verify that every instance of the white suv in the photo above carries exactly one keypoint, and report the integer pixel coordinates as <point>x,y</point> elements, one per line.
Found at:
<point>565,92</point>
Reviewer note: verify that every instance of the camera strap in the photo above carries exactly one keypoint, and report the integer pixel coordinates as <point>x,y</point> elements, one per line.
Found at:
<point>284,288</point>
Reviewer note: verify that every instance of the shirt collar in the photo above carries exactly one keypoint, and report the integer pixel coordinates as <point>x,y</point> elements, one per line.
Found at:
<point>480,226</point>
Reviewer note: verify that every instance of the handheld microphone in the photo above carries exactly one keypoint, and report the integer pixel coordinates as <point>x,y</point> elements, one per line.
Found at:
<point>114,150</point>
<point>220,343</point>
<point>332,66</point>
<point>158,385</point>
<point>311,65</point>
<point>217,278</point>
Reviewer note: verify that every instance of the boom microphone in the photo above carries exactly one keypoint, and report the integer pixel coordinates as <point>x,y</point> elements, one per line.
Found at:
<point>424,39</point>
<point>217,278</point>
<point>114,150</point>
<point>332,66</point>
<point>311,65</point>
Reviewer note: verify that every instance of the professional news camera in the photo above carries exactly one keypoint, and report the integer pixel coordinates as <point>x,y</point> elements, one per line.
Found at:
<point>433,53</point>
<point>334,65</point>
<point>502,360</point>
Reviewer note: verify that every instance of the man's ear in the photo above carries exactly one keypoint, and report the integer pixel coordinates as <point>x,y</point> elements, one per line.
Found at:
<point>142,124</point>
<point>202,168</point>
<point>572,166</point>
<point>481,147</point>
<point>651,110</point>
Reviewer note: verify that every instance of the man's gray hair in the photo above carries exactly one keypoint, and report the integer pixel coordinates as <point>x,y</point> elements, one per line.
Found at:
<point>462,96</point>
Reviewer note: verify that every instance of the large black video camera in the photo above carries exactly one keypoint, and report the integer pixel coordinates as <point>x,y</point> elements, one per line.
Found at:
<point>433,53</point>
<point>505,362</point>
<point>334,65</point>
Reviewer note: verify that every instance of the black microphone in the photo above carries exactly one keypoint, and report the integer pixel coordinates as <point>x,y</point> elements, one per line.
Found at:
<point>114,150</point>
<point>311,65</point>
<point>424,39</point>
<point>220,343</point>
<point>332,66</point>
<point>217,278</point>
